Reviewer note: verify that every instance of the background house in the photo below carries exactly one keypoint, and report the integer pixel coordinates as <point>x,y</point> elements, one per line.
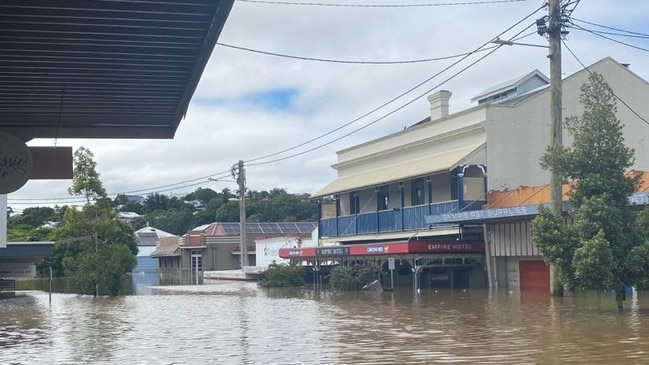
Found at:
<point>148,239</point>
<point>216,246</point>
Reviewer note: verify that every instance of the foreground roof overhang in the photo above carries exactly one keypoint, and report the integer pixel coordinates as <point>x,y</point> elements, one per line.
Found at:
<point>103,69</point>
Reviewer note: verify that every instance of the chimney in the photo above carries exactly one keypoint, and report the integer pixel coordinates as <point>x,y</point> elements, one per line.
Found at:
<point>439,104</point>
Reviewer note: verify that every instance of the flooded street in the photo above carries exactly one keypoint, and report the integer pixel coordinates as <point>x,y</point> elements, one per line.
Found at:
<point>239,323</point>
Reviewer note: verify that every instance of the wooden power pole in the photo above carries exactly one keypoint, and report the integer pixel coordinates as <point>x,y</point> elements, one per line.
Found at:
<point>554,31</point>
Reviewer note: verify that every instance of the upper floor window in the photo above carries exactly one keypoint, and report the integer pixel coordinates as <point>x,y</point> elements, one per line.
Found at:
<point>418,191</point>
<point>383,197</point>
<point>354,203</point>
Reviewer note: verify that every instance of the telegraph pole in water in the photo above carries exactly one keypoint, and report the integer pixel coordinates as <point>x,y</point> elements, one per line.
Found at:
<point>554,30</point>
<point>240,176</point>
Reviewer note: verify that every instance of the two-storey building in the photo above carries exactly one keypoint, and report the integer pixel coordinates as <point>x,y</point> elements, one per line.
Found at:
<point>448,163</point>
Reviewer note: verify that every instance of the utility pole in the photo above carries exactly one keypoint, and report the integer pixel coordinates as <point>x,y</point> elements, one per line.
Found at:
<point>554,37</point>
<point>554,31</point>
<point>239,174</point>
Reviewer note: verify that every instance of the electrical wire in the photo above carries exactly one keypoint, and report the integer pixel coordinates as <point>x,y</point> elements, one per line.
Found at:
<point>617,97</point>
<point>642,35</point>
<point>609,38</point>
<point>248,162</point>
<point>371,111</point>
<point>330,60</point>
<point>348,5</point>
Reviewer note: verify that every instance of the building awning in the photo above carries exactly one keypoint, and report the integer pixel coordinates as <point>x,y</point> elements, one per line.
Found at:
<point>103,69</point>
<point>416,167</point>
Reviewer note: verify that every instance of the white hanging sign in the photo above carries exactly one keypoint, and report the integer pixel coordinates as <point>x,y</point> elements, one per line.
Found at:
<point>15,163</point>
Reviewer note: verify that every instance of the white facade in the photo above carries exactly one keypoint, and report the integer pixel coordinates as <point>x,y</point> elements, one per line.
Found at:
<point>267,250</point>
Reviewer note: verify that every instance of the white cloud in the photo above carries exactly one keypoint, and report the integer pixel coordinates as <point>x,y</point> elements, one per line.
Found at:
<point>219,130</point>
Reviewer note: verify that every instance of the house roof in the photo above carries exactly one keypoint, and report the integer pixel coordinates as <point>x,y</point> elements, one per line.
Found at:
<point>103,69</point>
<point>167,248</point>
<point>510,84</point>
<point>256,228</point>
<point>149,236</point>
<point>529,195</point>
<point>417,167</point>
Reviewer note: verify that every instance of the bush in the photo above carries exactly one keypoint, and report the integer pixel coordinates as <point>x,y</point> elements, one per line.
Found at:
<point>353,277</point>
<point>280,276</point>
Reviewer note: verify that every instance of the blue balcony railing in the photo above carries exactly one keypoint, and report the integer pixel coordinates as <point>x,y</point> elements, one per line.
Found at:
<point>393,220</point>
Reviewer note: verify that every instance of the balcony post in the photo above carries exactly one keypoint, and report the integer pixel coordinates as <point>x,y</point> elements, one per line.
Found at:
<point>429,188</point>
<point>460,186</point>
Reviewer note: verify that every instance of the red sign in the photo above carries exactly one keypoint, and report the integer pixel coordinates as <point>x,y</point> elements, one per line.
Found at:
<point>391,248</point>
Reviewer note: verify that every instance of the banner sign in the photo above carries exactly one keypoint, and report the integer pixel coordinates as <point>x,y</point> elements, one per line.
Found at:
<point>391,248</point>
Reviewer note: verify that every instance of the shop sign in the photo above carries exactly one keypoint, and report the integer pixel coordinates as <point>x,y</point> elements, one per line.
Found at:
<point>15,163</point>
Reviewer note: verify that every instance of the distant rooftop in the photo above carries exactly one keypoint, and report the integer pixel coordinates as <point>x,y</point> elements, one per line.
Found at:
<point>512,88</point>
<point>233,228</point>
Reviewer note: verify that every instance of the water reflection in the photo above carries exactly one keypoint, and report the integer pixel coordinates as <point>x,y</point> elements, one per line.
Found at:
<point>239,323</point>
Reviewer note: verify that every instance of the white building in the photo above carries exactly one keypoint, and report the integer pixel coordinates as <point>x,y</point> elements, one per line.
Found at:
<point>449,162</point>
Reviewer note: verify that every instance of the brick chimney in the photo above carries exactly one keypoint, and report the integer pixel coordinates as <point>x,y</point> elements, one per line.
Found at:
<point>439,104</point>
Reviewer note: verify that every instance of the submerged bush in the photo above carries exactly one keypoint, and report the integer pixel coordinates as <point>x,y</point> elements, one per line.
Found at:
<point>353,277</point>
<point>280,276</point>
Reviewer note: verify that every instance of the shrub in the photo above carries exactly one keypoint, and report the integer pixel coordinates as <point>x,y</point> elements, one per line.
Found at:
<point>279,276</point>
<point>353,277</point>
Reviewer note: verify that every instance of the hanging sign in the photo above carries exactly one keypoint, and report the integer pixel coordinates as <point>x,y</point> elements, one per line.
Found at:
<point>15,163</point>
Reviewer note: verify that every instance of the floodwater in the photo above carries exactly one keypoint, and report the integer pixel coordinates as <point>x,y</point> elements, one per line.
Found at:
<point>238,323</point>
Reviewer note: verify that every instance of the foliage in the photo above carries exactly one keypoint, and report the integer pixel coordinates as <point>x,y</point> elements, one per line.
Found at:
<point>85,179</point>
<point>172,220</point>
<point>105,267</point>
<point>599,250</point>
<point>278,276</point>
<point>78,233</point>
<point>353,277</point>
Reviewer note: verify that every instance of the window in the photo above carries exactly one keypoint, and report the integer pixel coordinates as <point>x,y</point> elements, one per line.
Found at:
<point>418,191</point>
<point>383,197</point>
<point>453,181</point>
<point>197,260</point>
<point>354,203</point>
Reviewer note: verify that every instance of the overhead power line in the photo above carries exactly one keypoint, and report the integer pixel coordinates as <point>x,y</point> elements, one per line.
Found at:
<point>330,60</point>
<point>350,5</point>
<point>641,35</point>
<point>248,162</point>
<point>578,27</point>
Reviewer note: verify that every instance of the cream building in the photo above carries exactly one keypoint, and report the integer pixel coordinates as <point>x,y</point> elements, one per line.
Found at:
<point>447,163</point>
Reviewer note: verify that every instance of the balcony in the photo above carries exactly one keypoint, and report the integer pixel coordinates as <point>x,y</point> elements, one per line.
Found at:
<point>392,220</point>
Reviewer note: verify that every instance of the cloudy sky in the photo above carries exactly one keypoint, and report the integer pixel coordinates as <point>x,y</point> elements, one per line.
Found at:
<point>250,105</point>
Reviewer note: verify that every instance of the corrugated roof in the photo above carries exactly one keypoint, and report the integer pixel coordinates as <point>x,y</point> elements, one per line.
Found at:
<point>417,167</point>
<point>527,195</point>
<point>103,69</point>
<point>257,228</point>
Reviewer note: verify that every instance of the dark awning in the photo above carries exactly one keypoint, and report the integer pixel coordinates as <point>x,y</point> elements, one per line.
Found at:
<point>103,68</point>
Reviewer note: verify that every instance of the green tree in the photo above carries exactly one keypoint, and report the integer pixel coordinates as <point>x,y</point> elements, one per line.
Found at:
<point>599,250</point>
<point>85,179</point>
<point>171,220</point>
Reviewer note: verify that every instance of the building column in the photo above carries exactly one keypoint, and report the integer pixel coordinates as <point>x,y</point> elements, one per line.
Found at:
<point>460,186</point>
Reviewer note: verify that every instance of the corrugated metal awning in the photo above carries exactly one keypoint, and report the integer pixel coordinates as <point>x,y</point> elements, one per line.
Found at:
<point>103,69</point>
<point>417,167</point>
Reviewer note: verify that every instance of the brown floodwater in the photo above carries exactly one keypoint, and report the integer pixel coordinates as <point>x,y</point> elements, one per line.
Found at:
<point>239,323</point>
